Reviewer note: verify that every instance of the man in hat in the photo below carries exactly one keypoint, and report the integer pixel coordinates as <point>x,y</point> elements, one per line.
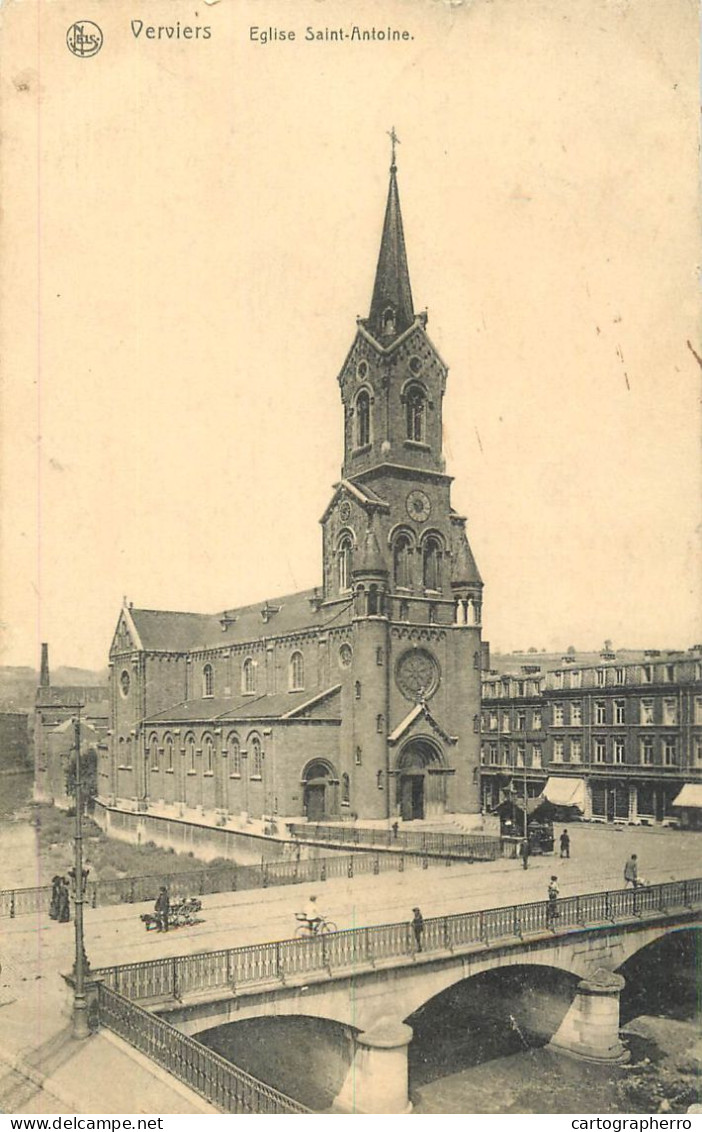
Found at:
<point>162,908</point>
<point>552,909</point>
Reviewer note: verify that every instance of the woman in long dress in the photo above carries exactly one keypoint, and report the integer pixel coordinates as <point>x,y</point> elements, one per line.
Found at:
<point>64,908</point>
<point>55,897</point>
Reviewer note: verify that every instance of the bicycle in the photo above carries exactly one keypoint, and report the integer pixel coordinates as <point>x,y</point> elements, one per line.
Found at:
<point>309,929</point>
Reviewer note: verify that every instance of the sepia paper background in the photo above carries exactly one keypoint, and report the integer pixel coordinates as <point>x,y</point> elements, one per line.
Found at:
<point>190,228</point>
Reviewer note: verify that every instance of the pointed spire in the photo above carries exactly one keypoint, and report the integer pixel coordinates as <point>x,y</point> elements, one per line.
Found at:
<point>391,310</point>
<point>370,560</point>
<point>44,677</point>
<point>464,568</point>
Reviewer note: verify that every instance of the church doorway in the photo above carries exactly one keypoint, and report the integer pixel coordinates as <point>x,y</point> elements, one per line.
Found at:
<point>421,781</point>
<point>412,796</point>
<point>320,791</point>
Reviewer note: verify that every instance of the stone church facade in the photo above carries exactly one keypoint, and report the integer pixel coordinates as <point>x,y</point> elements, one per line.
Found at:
<point>361,697</point>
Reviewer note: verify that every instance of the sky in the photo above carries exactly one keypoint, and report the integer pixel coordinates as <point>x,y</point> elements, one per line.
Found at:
<point>192,227</point>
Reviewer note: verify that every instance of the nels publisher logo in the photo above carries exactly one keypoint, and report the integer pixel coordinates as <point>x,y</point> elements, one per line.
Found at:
<point>84,38</point>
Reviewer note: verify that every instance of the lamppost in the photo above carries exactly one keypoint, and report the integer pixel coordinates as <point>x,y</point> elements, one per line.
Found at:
<point>526,798</point>
<point>81,966</point>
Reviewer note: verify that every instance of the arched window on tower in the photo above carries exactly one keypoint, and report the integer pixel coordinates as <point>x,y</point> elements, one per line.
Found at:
<point>416,413</point>
<point>248,677</point>
<point>374,601</point>
<point>362,419</point>
<point>345,790</point>
<point>345,549</point>
<point>431,564</point>
<point>401,557</point>
<point>208,680</point>
<point>297,672</point>
<point>388,321</point>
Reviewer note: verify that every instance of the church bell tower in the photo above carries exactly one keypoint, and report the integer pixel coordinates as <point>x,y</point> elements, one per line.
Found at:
<point>397,553</point>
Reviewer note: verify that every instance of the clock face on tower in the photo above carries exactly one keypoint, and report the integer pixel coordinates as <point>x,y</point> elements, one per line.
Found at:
<point>417,675</point>
<point>418,506</point>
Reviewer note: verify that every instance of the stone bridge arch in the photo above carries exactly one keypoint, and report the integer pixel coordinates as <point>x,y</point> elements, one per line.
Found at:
<point>374,1002</point>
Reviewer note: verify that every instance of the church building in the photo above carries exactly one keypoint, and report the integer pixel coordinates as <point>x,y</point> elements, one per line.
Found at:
<point>359,698</point>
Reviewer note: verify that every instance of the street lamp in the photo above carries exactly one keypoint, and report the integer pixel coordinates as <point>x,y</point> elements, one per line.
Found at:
<point>81,966</point>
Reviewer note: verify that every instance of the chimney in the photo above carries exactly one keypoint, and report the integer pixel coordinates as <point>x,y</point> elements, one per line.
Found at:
<point>44,678</point>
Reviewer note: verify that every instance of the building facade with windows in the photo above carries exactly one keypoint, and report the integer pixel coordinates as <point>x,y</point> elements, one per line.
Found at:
<point>361,696</point>
<point>618,740</point>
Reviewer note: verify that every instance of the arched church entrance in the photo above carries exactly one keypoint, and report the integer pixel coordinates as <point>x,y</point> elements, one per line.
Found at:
<point>421,781</point>
<point>320,791</point>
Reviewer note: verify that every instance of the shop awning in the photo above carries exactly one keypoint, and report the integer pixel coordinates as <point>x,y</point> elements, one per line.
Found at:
<point>690,795</point>
<point>565,792</point>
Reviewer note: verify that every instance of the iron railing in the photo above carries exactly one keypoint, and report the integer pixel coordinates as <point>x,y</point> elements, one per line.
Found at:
<point>343,951</point>
<point>210,1075</point>
<point>473,846</point>
<point>230,878</point>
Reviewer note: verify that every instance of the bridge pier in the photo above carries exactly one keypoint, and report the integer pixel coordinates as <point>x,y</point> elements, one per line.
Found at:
<point>590,1029</point>
<point>378,1077</point>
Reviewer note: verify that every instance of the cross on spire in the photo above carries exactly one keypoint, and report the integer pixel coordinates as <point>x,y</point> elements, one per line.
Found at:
<point>395,141</point>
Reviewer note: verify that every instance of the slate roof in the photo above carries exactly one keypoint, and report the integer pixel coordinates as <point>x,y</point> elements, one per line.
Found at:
<point>231,708</point>
<point>74,696</point>
<point>169,631</point>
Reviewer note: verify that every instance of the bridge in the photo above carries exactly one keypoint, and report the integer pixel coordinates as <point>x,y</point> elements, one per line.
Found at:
<point>372,978</point>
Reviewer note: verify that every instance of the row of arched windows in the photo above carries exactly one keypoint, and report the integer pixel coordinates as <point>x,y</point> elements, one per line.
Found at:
<point>415,403</point>
<point>432,553</point>
<point>232,747</point>
<point>402,553</point>
<point>296,675</point>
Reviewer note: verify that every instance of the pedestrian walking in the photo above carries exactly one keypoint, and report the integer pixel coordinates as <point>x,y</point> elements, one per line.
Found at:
<point>417,927</point>
<point>565,844</point>
<point>631,872</point>
<point>395,828</point>
<point>552,908</point>
<point>64,907</point>
<point>524,852</point>
<point>162,907</point>
<point>55,903</point>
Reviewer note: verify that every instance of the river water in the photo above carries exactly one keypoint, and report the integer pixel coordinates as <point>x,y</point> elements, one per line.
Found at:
<point>18,841</point>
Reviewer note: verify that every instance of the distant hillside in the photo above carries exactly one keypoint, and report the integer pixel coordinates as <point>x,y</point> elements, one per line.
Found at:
<point>18,684</point>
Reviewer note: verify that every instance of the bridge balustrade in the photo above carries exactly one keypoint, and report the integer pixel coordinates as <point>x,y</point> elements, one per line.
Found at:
<point>223,1084</point>
<point>471,846</point>
<point>230,878</point>
<point>267,963</point>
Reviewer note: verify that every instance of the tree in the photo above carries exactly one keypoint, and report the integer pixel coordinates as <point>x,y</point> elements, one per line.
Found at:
<point>88,774</point>
<point>570,651</point>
